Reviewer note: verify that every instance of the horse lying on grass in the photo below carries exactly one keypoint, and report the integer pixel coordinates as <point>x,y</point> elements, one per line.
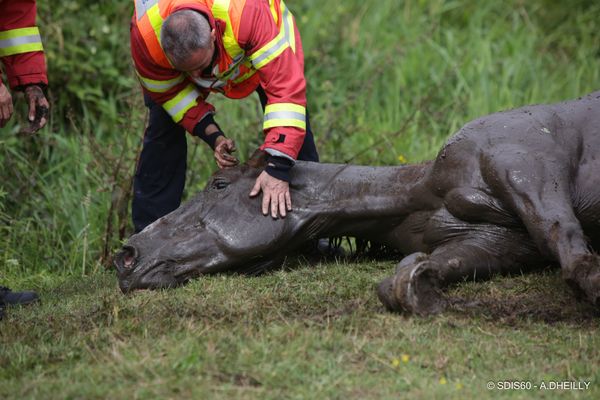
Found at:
<point>509,192</point>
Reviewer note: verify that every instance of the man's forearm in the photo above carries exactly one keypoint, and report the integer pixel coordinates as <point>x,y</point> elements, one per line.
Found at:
<point>208,130</point>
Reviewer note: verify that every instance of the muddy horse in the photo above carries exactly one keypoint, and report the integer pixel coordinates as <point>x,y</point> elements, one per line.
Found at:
<point>509,192</point>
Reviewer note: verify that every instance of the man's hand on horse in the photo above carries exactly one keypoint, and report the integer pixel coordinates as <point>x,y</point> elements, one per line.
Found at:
<point>38,108</point>
<point>223,149</point>
<point>276,195</point>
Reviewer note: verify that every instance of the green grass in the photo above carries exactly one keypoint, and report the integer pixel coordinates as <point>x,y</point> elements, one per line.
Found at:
<point>309,332</point>
<point>388,82</point>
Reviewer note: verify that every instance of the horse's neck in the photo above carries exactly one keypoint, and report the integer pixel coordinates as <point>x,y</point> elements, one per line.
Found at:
<point>359,192</point>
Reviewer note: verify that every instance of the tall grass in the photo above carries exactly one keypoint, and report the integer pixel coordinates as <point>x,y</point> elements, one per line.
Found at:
<point>388,82</point>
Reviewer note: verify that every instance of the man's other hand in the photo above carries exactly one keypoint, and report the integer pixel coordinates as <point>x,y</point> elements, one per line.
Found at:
<point>6,105</point>
<point>38,108</point>
<point>223,149</point>
<point>276,195</point>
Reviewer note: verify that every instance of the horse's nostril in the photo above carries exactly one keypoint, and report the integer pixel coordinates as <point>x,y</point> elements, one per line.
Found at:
<point>128,261</point>
<point>126,258</point>
<point>130,254</point>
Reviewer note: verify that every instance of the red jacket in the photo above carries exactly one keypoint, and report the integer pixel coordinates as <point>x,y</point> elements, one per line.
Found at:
<point>21,50</point>
<point>282,78</point>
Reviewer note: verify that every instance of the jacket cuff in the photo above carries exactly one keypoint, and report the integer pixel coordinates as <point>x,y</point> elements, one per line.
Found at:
<point>210,139</point>
<point>200,131</point>
<point>204,123</point>
<point>279,167</point>
<point>21,82</point>
<point>42,86</point>
<point>195,115</point>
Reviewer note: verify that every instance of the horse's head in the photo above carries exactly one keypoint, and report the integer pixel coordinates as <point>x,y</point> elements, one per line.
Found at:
<point>221,228</point>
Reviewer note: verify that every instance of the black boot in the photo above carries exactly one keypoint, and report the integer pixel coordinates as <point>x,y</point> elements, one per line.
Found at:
<point>10,298</point>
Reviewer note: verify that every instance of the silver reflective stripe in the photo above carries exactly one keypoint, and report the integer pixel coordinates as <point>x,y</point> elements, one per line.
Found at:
<point>142,6</point>
<point>285,115</point>
<point>232,72</point>
<point>278,153</point>
<point>286,25</point>
<point>160,87</point>
<point>183,103</point>
<point>287,37</point>
<point>21,40</point>
<point>272,50</point>
<point>208,83</point>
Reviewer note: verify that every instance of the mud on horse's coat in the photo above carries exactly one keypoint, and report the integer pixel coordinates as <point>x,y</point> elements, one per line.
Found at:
<point>508,192</point>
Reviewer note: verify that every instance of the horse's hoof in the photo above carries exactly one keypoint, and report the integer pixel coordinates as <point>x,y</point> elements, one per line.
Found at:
<point>583,277</point>
<point>414,289</point>
<point>410,260</point>
<point>385,293</point>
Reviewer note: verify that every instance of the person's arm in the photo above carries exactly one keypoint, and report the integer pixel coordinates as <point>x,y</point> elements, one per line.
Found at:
<point>183,100</point>
<point>276,52</point>
<point>21,53</point>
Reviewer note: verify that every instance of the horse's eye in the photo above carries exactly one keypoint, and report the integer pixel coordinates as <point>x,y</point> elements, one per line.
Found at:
<point>219,183</point>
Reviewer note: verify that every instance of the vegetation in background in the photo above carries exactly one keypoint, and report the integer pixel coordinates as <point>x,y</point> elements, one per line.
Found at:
<point>388,82</point>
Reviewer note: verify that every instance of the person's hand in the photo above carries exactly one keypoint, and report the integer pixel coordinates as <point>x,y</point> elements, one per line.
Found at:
<point>223,149</point>
<point>276,195</point>
<point>38,108</point>
<point>6,105</point>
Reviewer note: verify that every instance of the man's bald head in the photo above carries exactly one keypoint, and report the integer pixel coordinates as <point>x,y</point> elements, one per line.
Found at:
<point>183,33</point>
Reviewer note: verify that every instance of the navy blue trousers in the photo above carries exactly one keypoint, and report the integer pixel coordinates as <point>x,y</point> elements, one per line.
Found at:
<point>160,173</point>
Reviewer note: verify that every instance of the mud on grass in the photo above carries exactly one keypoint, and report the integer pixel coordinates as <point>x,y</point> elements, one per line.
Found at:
<point>541,297</point>
<point>309,332</point>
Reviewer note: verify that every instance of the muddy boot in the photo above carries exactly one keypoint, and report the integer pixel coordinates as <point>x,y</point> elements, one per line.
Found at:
<point>328,250</point>
<point>10,298</point>
<point>321,250</point>
<point>583,277</point>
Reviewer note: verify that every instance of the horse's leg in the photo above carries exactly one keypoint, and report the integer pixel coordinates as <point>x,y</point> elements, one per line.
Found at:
<point>417,284</point>
<point>538,188</point>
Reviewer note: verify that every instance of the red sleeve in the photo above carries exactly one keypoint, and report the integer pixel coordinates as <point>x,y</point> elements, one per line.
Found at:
<point>282,78</point>
<point>146,68</point>
<point>25,68</point>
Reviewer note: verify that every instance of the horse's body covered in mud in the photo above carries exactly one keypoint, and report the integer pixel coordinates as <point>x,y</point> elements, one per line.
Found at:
<point>509,192</point>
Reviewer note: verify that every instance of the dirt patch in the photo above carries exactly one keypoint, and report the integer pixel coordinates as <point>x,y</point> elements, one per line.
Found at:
<point>239,379</point>
<point>514,300</point>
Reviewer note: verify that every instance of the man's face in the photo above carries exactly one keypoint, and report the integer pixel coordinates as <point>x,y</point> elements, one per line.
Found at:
<point>198,60</point>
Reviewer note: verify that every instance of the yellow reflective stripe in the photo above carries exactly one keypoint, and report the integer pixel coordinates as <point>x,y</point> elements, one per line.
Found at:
<point>159,86</point>
<point>180,104</point>
<point>288,25</point>
<point>220,10</point>
<point>156,20</point>
<point>269,51</point>
<point>142,6</point>
<point>285,107</point>
<point>284,114</point>
<point>19,32</point>
<point>273,10</point>
<point>21,40</point>
<point>275,47</point>
<point>245,76</point>
<point>284,122</point>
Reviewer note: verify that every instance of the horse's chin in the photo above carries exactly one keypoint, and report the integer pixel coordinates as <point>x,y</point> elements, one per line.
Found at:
<point>161,277</point>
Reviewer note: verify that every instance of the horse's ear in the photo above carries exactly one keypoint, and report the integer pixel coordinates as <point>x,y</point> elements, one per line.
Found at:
<point>258,159</point>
